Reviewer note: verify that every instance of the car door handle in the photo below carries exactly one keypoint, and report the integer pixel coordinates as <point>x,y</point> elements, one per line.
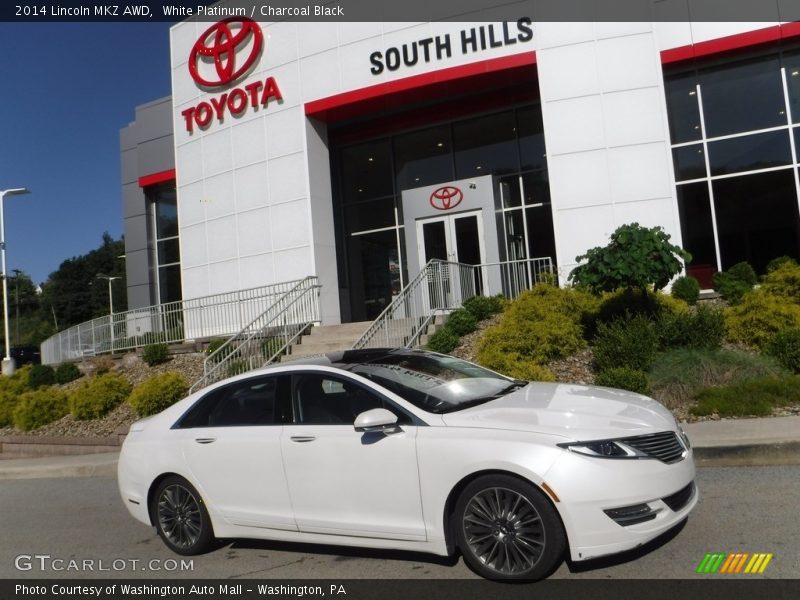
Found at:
<point>205,440</point>
<point>302,438</point>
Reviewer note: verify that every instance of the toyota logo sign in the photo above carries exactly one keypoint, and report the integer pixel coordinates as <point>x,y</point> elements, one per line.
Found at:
<point>446,197</point>
<point>220,43</point>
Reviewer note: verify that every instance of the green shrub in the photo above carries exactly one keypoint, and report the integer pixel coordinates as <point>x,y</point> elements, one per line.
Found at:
<point>8,402</point>
<point>785,347</point>
<point>443,340</point>
<point>483,307</point>
<point>784,282</point>
<point>635,257</point>
<point>157,393</point>
<point>18,382</point>
<point>702,328</point>
<point>215,345</point>
<point>759,317</point>
<point>744,273</point>
<point>778,262</point>
<point>514,365</point>
<point>461,322</point>
<point>631,342</point>
<point>155,354</point>
<point>623,302</point>
<point>40,407</point>
<point>679,374</point>
<point>66,372</point>
<point>686,289</point>
<point>754,397</point>
<point>542,324</point>
<point>99,395</point>
<point>41,375</point>
<point>624,378</point>
<point>731,288</point>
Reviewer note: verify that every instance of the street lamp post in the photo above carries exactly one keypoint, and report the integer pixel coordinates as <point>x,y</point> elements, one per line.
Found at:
<point>8,362</point>
<point>16,305</point>
<point>110,305</point>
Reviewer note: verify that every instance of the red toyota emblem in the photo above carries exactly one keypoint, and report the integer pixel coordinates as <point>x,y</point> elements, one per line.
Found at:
<point>446,197</point>
<point>220,42</point>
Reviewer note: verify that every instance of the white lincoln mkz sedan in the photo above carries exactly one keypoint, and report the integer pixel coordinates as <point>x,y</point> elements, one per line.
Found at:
<point>411,450</point>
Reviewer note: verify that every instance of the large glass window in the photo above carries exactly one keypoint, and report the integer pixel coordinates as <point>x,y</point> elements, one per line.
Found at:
<point>745,96</point>
<point>167,247</point>
<point>746,207</point>
<point>757,218</point>
<point>373,174</point>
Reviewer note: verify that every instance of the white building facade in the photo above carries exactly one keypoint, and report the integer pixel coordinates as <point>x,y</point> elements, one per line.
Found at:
<point>357,151</point>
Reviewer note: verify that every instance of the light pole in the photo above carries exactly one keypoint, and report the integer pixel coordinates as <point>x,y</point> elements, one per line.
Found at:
<point>110,304</point>
<point>16,304</point>
<point>8,362</point>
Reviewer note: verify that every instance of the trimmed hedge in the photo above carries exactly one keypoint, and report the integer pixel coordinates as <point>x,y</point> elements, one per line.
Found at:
<point>785,346</point>
<point>686,289</point>
<point>40,376</point>
<point>624,378</point>
<point>702,328</point>
<point>630,342</point>
<point>157,393</point>
<point>155,354</point>
<point>483,307</point>
<point>443,340</point>
<point>461,322</point>
<point>66,372</point>
<point>98,396</point>
<point>40,407</point>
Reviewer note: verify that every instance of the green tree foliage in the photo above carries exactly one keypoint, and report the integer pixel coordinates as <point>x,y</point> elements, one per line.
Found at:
<point>636,257</point>
<point>75,293</point>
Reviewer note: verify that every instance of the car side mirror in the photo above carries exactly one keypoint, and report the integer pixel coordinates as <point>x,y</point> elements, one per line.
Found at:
<point>376,419</point>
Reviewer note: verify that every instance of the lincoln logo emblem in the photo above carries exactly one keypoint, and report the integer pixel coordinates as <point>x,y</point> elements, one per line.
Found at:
<point>220,43</point>
<point>446,197</point>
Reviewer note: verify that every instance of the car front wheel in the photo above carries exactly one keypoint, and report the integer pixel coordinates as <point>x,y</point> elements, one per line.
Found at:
<point>507,530</point>
<point>181,517</point>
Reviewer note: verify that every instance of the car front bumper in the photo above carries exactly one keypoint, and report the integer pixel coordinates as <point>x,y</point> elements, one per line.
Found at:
<point>587,487</point>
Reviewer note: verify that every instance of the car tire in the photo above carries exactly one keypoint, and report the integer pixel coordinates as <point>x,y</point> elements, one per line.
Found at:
<point>181,518</point>
<point>506,529</point>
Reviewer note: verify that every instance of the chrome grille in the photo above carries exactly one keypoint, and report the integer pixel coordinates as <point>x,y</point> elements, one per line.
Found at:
<point>664,446</point>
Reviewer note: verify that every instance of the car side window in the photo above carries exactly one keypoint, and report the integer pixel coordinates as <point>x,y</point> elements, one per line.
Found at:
<point>326,400</point>
<point>255,401</point>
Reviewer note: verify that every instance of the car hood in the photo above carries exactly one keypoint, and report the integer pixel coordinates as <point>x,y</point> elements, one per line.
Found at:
<point>576,412</point>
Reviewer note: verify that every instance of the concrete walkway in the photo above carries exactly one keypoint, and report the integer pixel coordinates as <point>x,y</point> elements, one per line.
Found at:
<point>764,441</point>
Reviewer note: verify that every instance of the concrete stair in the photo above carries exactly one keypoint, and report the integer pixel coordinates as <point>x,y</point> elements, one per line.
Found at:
<point>329,338</point>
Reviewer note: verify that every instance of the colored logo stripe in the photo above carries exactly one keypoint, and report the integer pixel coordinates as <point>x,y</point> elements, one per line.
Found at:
<point>731,564</point>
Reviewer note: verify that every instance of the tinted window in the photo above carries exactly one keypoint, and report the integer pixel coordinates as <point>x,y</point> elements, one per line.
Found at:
<point>255,401</point>
<point>326,400</point>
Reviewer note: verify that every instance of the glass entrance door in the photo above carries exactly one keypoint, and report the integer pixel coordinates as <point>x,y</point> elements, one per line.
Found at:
<point>456,239</point>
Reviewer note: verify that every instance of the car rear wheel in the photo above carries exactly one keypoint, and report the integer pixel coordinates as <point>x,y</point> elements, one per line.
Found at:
<point>181,517</point>
<point>506,529</point>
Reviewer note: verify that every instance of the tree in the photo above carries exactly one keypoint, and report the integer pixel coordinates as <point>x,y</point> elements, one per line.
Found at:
<point>635,258</point>
<point>75,294</point>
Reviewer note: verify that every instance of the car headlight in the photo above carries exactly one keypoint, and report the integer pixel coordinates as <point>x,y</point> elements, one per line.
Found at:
<point>603,449</point>
<point>682,434</point>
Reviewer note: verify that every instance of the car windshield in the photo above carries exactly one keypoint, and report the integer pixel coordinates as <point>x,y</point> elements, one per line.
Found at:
<point>434,382</point>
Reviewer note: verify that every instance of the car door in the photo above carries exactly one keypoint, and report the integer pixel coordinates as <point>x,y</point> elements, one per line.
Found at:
<point>345,482</point>
<point>232,443</point>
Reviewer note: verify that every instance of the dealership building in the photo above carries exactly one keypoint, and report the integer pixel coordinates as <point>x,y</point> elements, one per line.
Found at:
<point>357,152</point>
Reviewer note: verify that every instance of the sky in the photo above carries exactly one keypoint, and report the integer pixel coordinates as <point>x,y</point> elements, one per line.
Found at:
<point>66,90</point>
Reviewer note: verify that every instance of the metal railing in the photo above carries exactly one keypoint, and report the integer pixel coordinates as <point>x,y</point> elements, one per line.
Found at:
<point>441,287</point>
<point>267,337</point>
<point>199,318</point>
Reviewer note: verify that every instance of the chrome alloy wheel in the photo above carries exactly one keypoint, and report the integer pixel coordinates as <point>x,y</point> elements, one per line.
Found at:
<point>179,516</point>
<point>503,530</point>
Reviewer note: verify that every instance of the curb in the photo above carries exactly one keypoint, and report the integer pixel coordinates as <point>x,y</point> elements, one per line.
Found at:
<point>748,455</point>
<point>94,465</point>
